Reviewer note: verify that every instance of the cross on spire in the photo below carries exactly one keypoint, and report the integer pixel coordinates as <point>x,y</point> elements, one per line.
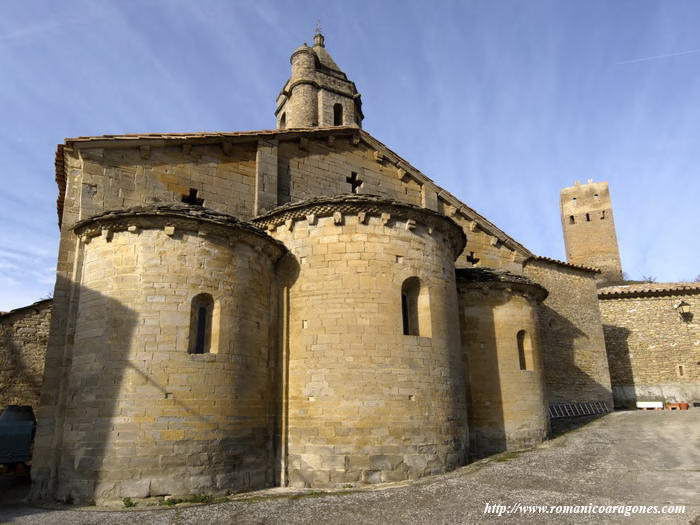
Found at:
<point>318,37</point>
<point>192,198</point>
<point>354,181</point>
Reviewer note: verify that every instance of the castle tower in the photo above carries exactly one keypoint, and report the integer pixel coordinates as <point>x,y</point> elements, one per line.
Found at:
<point>589,228</point>
<point>318,93</point>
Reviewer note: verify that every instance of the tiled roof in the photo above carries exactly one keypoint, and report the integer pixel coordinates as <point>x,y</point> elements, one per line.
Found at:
<point>489,275</point>
<point>33,305</point>
<point>648,289</point>
<point>351,203</point>
<point>477,277</point>
<point>562,263</point>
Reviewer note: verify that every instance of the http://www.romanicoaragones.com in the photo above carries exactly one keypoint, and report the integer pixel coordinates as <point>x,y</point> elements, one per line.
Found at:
<point>624,510</point>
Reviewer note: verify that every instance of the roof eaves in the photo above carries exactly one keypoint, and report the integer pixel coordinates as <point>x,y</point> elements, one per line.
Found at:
<point>631,291</point>
<point>21,308</point>
<point>99,140</point>
<point>288,134</point>
<point>60,167</point>
<point>470,213</point>
<point>565,264</point>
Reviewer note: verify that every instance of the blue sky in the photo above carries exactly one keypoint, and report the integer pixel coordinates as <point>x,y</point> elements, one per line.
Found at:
<point>500,102</point>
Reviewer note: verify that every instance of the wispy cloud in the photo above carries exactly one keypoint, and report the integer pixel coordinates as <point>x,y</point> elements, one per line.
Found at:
<point>501,103</point>
<point>658,57</point>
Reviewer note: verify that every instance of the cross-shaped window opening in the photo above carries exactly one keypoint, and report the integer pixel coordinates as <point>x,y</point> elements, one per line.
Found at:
<point>192,198</point>
<point>355,182</point>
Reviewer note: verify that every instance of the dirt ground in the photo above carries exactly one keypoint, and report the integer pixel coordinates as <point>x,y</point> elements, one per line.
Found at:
<point>624,458</point>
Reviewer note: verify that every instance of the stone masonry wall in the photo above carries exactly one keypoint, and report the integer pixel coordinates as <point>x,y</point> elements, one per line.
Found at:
<point>589,228</point>
<point>507,406</point>
<point>366,403</point>
<point>647,344</point>
<point>315,167</point>
<point>119,178</point>
<point>573,346</point>
<point>102,178</point>
<point>24,334</point>
<point>139,415</point>
<point>322,168</point>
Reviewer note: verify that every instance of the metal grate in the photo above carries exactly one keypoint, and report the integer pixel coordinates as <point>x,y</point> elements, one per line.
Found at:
<point>586,408</point>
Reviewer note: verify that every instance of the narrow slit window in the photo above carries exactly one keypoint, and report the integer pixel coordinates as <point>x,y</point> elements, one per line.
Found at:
<point>415,308</point>
<point>201,324</point>
<point>405,314</point>
<point>201,330</point>
<point>602,215</point>
<point>525,357</point>
<point>572,220</point>
<point>337,114</point>
<point>588,217</point>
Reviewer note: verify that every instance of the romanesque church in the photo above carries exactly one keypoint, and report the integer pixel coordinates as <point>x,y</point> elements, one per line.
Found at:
<point>303,307</point>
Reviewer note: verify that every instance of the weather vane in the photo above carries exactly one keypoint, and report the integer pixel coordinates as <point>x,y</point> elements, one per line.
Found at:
<point>318,26</point>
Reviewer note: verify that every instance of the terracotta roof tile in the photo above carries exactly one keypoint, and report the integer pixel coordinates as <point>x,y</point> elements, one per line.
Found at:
<point>21,308</point>
<point>562,263</point>
<point>648,289</point>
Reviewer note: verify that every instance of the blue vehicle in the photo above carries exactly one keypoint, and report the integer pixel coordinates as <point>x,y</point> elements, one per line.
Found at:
<point>17,427</point>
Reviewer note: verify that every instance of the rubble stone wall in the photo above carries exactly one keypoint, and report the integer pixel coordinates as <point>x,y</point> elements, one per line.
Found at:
<point>571,332</point>
<point>653,354</point>
<point>24,334</point>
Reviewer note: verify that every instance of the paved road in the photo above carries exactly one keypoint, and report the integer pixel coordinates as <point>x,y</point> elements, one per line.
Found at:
<point>624,458</point>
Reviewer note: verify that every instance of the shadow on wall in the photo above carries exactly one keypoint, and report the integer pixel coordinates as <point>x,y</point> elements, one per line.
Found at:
<point>72,443</point>
<point>137,415</point>
<point>486,422</point>
<point>287,272</point>
<point>564,380</point>
<point>620,363</point>
<point>21,384</point>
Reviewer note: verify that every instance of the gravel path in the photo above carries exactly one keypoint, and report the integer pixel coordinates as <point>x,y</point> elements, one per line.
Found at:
<point>624,458</point>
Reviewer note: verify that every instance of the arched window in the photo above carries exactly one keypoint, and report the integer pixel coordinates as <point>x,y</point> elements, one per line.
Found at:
<point>571,219</point>
<point>415,308</point>
<point>525,351</point>
<point>283,121</point>
<point>337,114</point>
<point>201,324</point>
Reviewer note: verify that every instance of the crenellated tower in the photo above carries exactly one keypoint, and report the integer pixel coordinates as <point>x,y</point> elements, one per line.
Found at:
<point>318,93</point>
<point>589,228</point>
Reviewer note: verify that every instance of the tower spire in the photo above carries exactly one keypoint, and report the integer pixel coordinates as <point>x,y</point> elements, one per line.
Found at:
<point>318,93</point>
<point>319,39</point>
